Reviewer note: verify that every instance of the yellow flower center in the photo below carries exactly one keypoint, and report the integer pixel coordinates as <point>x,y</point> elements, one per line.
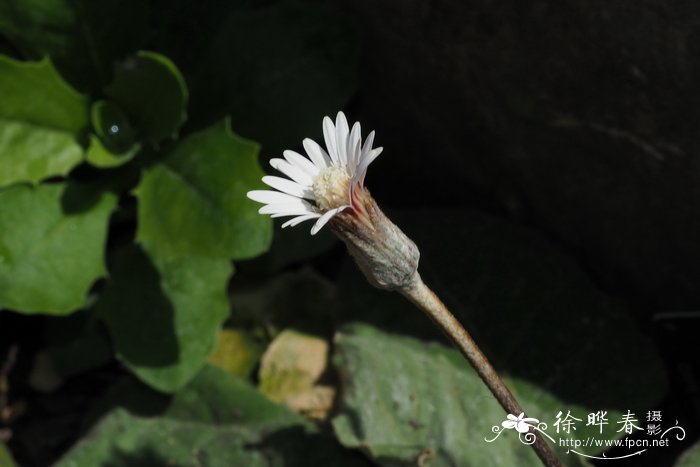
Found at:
<point>331,188</point>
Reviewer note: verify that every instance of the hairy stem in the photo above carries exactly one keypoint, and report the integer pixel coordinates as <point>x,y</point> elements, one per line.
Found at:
<point>425,299</point>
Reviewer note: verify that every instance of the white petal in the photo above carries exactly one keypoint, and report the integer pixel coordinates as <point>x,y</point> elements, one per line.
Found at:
<point>288,186</point>
<point>354,147</point>
<point>329,136</point>
<point>302,162</point>
<point>300,219</point>
<point>292,172</point>
<point>362,169</point>
<point>272,197</point>
<point>341,137</point>
<point>367,148</point>
<point>374,153</point>
<point>319,157</point>
<point>286,209</point>
<point>352,167</point>
<point>326,217</point>
<point>290,212</point>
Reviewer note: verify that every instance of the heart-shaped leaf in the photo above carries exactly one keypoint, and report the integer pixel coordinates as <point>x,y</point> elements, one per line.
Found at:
<point>194,201</point>
<point>164,314</point>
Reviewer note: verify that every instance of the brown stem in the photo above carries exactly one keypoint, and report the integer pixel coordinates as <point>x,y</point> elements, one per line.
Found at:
<point>425,299</point>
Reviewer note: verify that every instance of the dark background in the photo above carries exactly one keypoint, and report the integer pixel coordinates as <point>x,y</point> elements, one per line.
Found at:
<point>576,119</point>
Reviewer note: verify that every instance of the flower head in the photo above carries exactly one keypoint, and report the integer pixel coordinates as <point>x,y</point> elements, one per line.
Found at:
<point>326,183</point>
<point>329,187</point>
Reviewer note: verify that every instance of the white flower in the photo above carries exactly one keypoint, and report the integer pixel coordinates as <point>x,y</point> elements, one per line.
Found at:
<point>325,184</point>
<point>521,424</point>
<point>329,186</point>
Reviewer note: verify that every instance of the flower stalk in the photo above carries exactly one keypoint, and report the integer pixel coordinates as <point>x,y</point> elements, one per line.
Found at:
<point>328,188</point>
<point>425,299</point>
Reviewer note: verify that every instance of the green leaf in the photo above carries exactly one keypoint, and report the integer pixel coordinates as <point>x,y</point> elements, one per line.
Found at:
<point>33,92</point>
<point>194,201</point>
<point>212,396</point>
<point>126,440</point>
<point>52,240</point>
<point>421,400</point>
<point>216,420</point>
<point>83,37</point>
<point>164,314</point>
<point>128,393</point>
<point>29,154</point>
<point>112,126</point>
<point>152,92</point>
<point>40,118</point>
<point>193,218</point>
<point>690,458</point>
<point>420,403</point>
<point>276,70</point>
<point>99,156</point>
<point>219,398</point>
<point>6,459</point>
